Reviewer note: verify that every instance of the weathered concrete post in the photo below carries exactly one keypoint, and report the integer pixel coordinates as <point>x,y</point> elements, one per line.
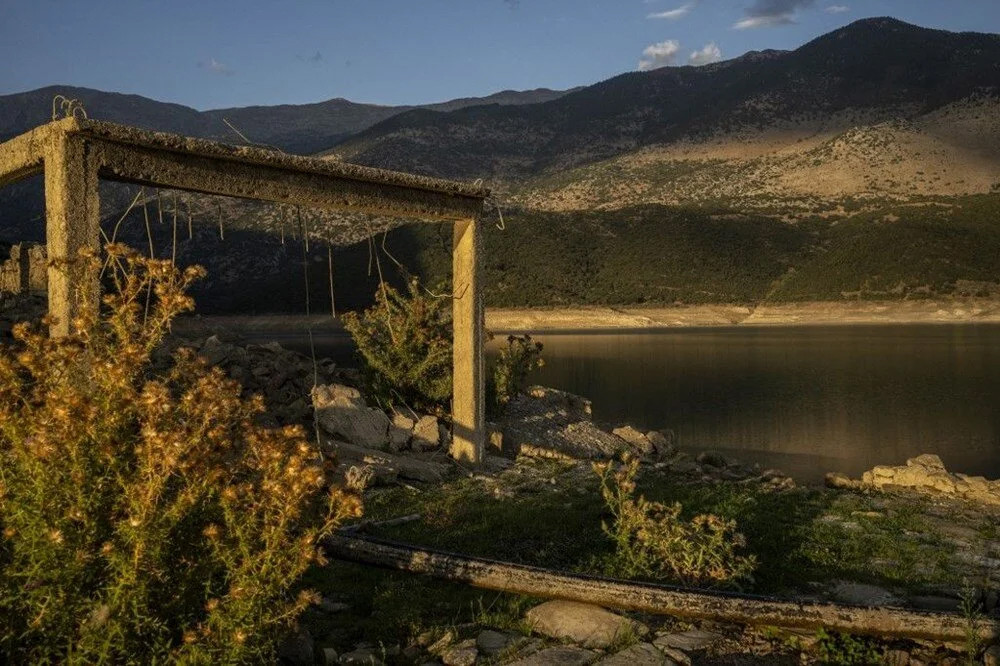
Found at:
<point>72,223</point>
<point>468,396</point>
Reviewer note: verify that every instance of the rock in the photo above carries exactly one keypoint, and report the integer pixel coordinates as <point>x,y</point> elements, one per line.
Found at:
<point>342,412</point>
<point>689,641</point>
<point>860,594</point>
<point>927,473</point>
<point>567,406</point>
<point>896,658</point>
<point>297,650</point>
<point>584,624</point>
<point>387,465</point>
<point>426,436</point>
<point>329,657</point>
<point>662,446</point>
<point>557,656</point>
<point>678,656</point>
<point>400,430</point>
<point>491,642</point>
<point>991,657</point>
<point>214,351</point>
<point>460,654</point>
<point>685,467</point>
<point>840,480</point>
<point>361,657</point>
<point>441,643</point>
<point>636,439</point>
<point>640,654</point>
<point>494,439</point>
<point>935,603</point>
<point>713,459</point>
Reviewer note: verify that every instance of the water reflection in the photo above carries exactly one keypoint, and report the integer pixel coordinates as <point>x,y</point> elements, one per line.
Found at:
<point>808,399</point>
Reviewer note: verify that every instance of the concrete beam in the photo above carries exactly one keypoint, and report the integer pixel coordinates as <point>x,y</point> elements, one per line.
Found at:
<point>23,156</point>
<point>468,395</point>
<point>274,182</point>
<point>72,225</point>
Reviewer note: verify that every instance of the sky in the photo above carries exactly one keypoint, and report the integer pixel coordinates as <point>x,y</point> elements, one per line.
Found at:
<point>221,53</point>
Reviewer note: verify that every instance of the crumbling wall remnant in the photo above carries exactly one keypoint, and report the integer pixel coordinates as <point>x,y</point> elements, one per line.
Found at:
<point>26,271</point>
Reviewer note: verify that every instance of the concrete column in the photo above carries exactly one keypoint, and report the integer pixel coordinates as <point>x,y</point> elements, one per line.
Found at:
<point>468,397</point>
<point>72,223</point>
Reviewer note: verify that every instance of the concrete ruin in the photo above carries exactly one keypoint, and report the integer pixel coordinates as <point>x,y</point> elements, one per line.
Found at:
<point>26,271</point>
<point>73,154</point>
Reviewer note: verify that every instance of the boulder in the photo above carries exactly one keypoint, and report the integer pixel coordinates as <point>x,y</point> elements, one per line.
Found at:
<point>491,642</point>
<point>214,351</point>
<point>460,654</point>
<point>640,654</point>
<point>567,655</point>
<point>689,641</point>
<point>386,466</point>
<point>584,624</point>
<point>400,430</point>
<point>840,480</point>
<point>426,436</point>
<point>662,445</point>
<point>713,459</point>
<point>636,439</point>
<point>341,411</point>
<point>927,473</point>
<point>297,650</point>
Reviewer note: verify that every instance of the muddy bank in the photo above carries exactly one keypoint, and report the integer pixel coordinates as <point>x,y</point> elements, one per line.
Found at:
<point>951,311</point>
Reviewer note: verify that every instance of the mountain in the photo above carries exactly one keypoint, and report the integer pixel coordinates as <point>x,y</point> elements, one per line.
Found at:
<point>296,128</point>
<point>876,69</point>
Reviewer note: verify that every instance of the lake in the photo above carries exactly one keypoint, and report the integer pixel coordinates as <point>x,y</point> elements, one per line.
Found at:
<point>806,399</point>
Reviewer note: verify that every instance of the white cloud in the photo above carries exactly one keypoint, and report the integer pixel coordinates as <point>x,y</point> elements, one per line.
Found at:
<point>216,67</point>
<point>707,54</point>
<point>764,13</point>
<point>672,14</point>
<point>658,55</point>
<point>837,9</point>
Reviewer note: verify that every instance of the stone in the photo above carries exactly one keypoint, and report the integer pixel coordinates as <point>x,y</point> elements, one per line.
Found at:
<point>678,656</point>
<point>441,643</point>
<point>460,654</point>
<point>635,439</point>
<point>840,480</point>
<point>297,650</point>
<point>329,657</point>
<point>426,436</point>
<point>935,603</point>
<point>563,404</point>
<point>388,466</point>
<point>991,657</point>
<point>491,642</point>
<point>361,657</point>
<point>896,658</point>
<point>640,654</point>
<point>400,431</point>
<point>689,641</point>
<point>662,446</point>
<point>341,411</point>
<point>557,656</point>
<point>860,594</point>
<point>214,351</point>
<point>713,459</point>
<point>584,624</point>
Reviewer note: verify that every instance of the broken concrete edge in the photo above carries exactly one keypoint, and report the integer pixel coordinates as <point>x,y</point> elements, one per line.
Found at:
<point>23,155</point>
<point>659,599</point>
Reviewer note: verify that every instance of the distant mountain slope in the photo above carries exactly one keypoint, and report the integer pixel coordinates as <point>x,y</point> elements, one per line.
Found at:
<point>297,128</point>
<point>881,68</point>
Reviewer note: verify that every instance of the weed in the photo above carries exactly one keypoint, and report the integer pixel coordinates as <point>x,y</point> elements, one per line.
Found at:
<point>147,518</point>
<point>510,373</point>
<point>837,649</point>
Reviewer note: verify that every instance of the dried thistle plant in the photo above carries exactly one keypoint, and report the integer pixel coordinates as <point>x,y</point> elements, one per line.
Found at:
<point>147,518</point>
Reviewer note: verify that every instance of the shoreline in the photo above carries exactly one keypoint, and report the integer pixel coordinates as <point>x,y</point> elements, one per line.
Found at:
<point>814,313</point>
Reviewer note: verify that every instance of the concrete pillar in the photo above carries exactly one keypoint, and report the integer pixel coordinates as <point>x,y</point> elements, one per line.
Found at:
<point>72,223</point>
<point>468,397</point>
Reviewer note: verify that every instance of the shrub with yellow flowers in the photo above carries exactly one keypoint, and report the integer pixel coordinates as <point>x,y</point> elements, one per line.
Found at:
<point>652,540</point>
<point>147,517</point>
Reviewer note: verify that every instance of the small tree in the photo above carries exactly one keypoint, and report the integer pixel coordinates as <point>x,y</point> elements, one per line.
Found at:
<point>513,365</point>
<point>405,343</point>
<point>147,518</point>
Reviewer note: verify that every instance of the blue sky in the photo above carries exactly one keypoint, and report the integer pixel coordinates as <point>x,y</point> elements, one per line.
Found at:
<point>219,53</point>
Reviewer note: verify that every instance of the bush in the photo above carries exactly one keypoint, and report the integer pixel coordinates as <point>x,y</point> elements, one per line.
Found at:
<point>653,541</point>
<point>405,341</point>
<point>147,518</point>
<point>510,373</point>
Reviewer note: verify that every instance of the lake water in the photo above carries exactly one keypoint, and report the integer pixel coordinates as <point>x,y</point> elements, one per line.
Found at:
<point>806,399</point>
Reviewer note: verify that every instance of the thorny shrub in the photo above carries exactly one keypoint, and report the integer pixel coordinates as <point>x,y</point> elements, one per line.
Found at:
<point>653,541</point>
<point>147,518</point>
<point>513,365</point>
<point>405,343</point>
